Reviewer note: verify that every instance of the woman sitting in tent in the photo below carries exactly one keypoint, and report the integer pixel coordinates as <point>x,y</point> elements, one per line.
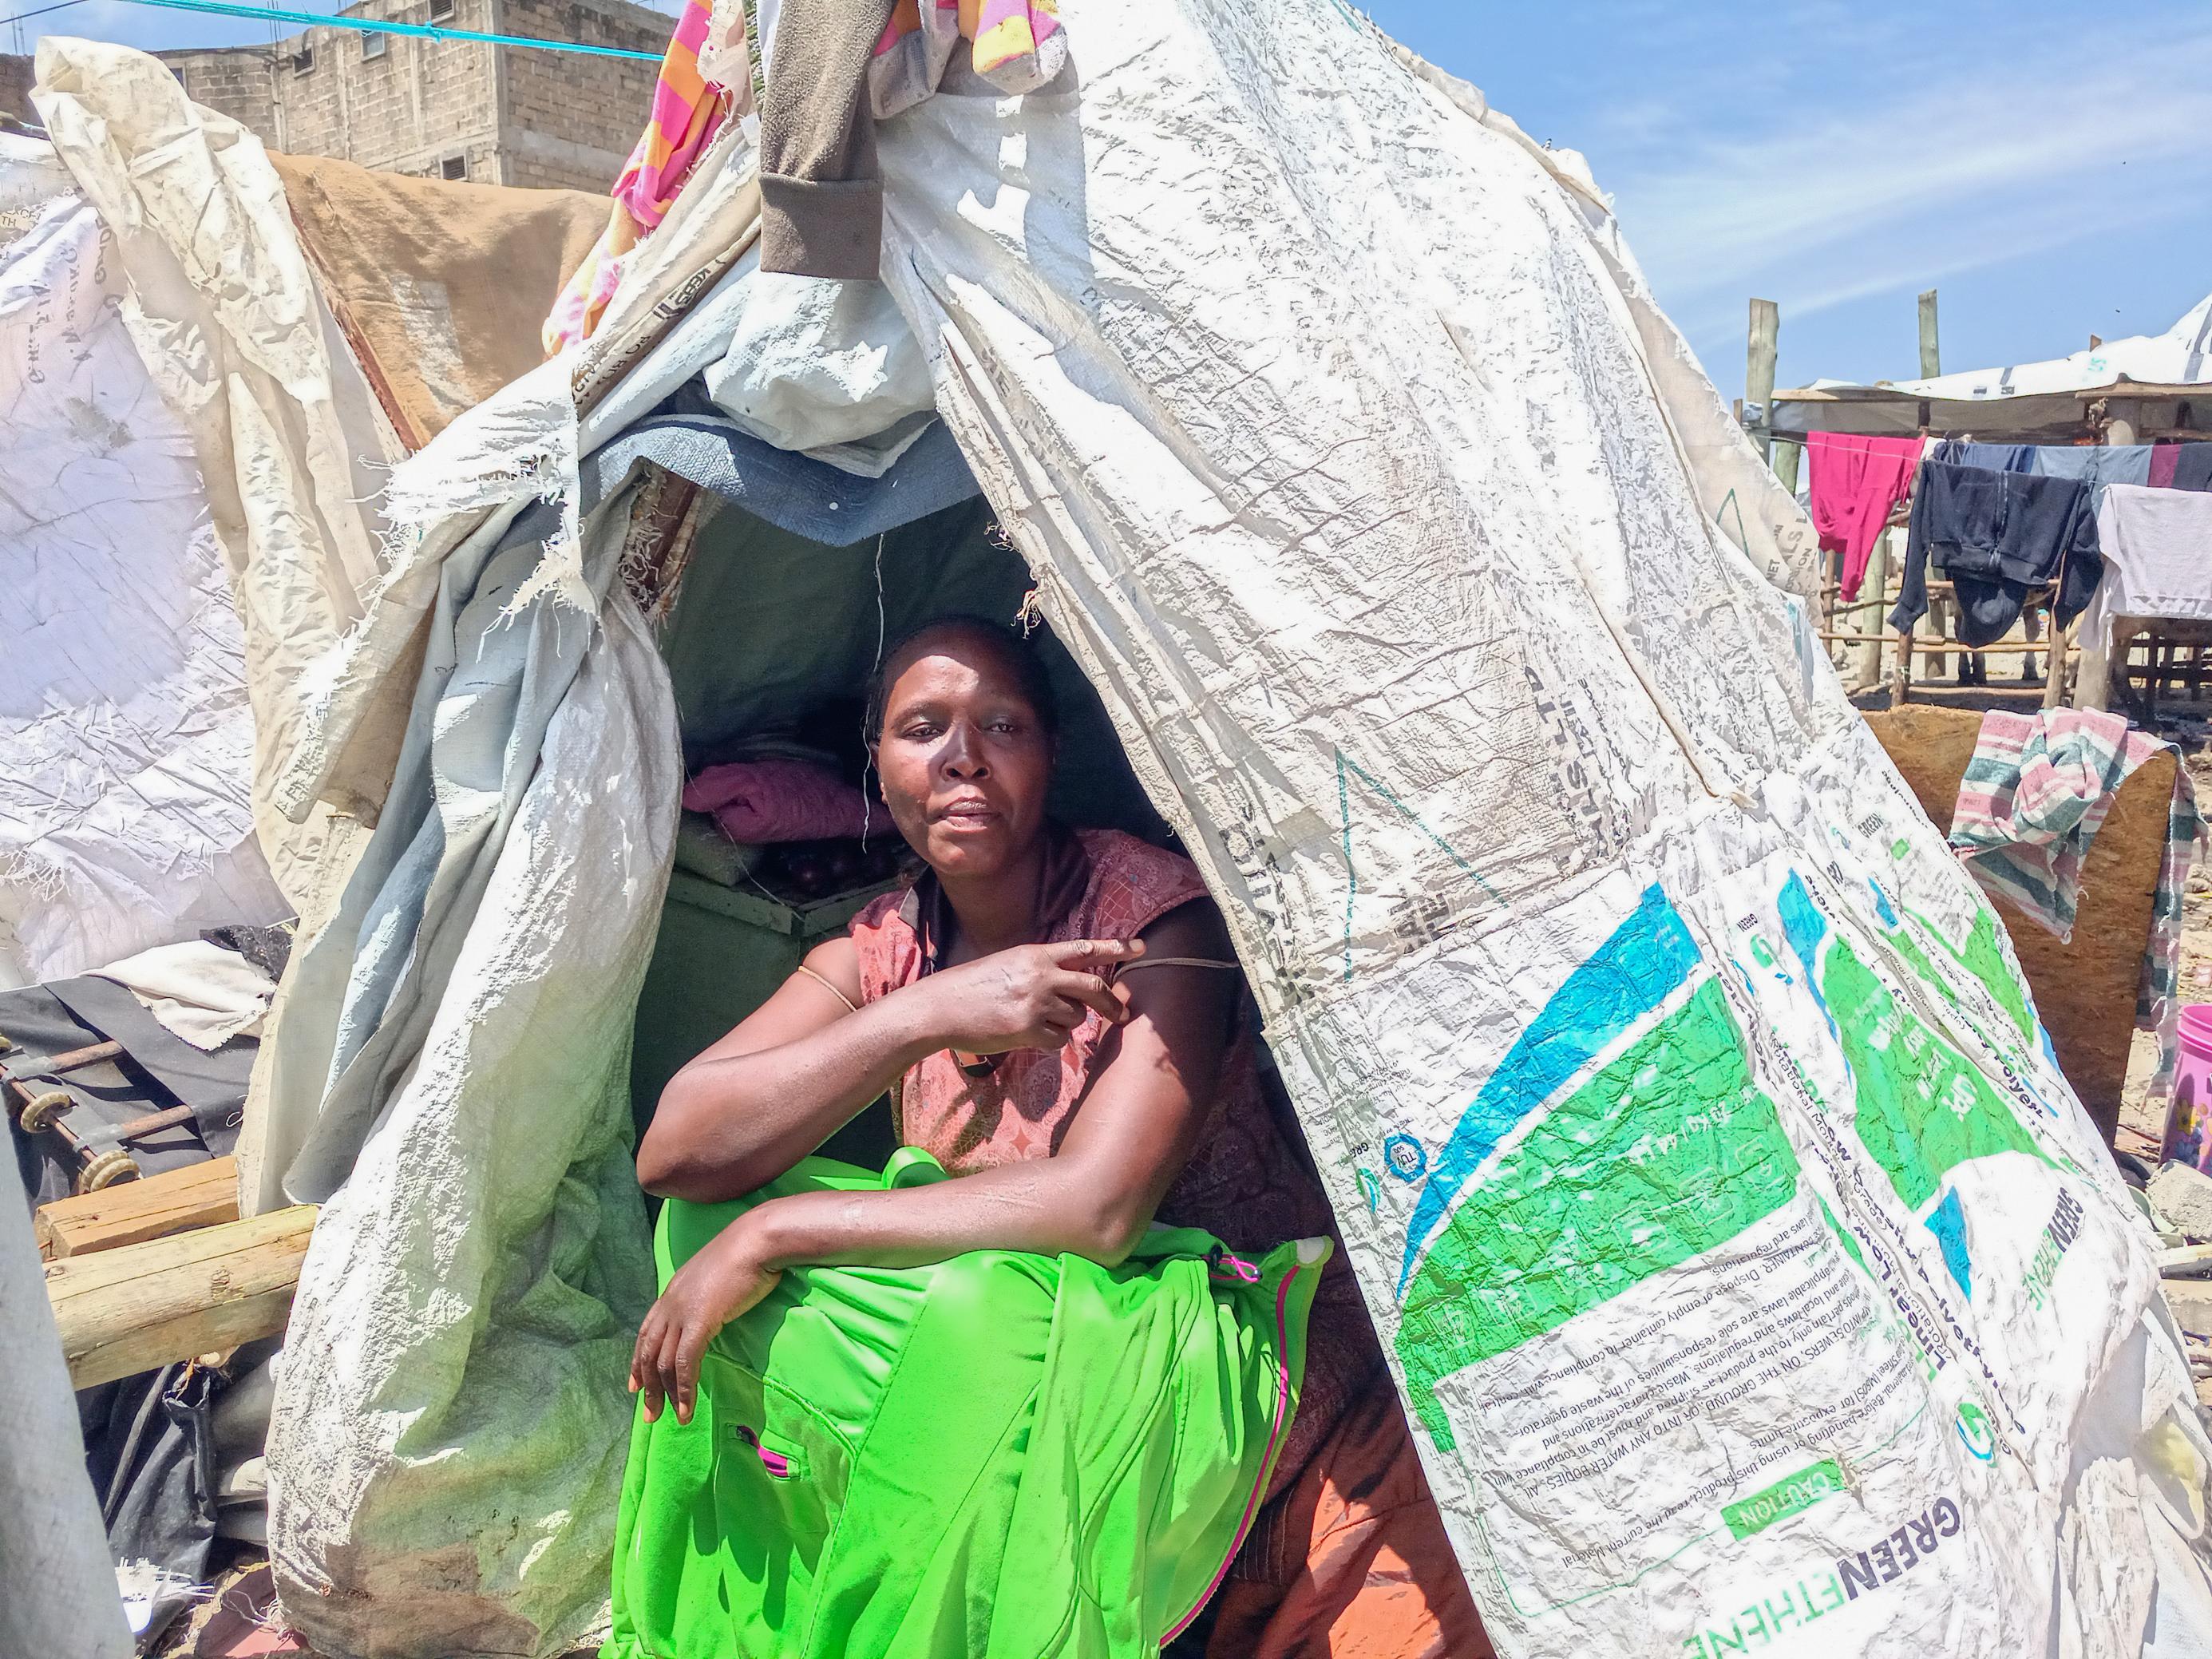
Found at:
<point>1056,1014</point>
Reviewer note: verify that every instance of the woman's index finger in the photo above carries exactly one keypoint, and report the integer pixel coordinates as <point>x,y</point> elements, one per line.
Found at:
<point>1100,951</point>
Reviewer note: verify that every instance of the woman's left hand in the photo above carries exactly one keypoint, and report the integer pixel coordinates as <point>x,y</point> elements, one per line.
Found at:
<point>724,1281</point>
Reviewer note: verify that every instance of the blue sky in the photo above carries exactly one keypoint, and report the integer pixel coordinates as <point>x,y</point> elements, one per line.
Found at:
<point>2046,167</point>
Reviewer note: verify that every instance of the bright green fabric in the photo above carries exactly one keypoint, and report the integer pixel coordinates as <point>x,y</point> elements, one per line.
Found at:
<point>1002,1456</point>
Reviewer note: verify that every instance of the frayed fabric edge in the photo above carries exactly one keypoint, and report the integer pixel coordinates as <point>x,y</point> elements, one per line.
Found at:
<point>519,445</point>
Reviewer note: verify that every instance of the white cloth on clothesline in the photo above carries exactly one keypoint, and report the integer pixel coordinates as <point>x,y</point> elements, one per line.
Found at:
<point>2157,558</point>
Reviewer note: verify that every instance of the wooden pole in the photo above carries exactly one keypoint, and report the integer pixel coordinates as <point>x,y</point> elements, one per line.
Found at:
<point>2092,659</point>
<point>1863,664</point>
<point>1786,455</point>
<point>1931,365</point>
<point>2089,665</point>
<point>1759,369</point>
<point>1933,647</point>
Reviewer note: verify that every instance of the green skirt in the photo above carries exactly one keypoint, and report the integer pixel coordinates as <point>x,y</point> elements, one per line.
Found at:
<point>999,1456</point>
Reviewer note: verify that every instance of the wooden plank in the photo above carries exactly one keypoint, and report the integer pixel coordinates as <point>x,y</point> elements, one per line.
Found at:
<point>203,1194</point>
<point>132,1308</point>
<point>2123,387</point>
<point>1844,394</point>
<point>1931,357</point>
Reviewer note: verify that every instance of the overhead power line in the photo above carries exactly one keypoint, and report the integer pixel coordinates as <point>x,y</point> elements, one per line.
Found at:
<point>23,16</point>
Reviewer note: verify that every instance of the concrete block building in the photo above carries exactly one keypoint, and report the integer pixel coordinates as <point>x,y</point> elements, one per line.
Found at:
<point>452,109</point>
<point>14,86</point>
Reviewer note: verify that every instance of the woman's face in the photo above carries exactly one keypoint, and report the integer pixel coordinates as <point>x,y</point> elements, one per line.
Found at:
<point>964,758</point>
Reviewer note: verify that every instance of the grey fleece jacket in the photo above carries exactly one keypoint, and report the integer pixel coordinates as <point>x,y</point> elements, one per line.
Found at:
<point>822,196</point>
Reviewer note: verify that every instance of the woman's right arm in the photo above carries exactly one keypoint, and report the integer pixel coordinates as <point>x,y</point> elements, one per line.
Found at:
<point>802,1065</point>
<point>793,1071</point>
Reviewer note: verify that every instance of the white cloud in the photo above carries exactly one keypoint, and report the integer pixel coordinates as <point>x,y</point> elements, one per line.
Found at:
<point>1924,181</point>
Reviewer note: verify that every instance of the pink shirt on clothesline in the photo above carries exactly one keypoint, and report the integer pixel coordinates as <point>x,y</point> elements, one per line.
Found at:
<point>1856,483</point>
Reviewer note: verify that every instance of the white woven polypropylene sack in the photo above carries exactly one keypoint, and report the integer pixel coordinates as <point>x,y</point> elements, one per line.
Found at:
<point>1754,1279</point>
<point>453,1084</point>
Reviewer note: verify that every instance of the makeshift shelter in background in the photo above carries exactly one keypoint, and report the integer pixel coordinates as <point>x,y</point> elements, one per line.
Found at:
<point>127,724</point>
<point>1737,1242</point>
<point>126,740</point>
<point>2145,390</point>
<point>127,731</point>
<point>2167,376</point>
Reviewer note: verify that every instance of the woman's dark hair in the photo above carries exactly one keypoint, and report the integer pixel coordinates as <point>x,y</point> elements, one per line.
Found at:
<point>1020,654</point>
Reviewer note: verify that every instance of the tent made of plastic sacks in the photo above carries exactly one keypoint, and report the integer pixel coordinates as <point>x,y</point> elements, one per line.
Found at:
<point>1752,1277</point>
<point>126,736</point>
<point>127,817</point>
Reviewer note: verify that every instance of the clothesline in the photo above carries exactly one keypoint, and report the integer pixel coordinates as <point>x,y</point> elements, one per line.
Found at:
<point>2093,533</point>
<point>371,26</point>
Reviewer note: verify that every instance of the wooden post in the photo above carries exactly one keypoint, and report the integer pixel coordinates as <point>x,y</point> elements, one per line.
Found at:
<point>1759,369</point>
<point>1786,455</point>
<point>2089,668</point>
<point>2092,659</point>
<point>1931,359</point>
<point>1862,663</point>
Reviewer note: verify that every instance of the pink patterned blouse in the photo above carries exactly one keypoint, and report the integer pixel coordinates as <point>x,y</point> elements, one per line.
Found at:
<point>1248,1182</point>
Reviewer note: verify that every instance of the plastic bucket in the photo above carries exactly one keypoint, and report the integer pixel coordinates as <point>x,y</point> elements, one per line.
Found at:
<point>2188,1111</point>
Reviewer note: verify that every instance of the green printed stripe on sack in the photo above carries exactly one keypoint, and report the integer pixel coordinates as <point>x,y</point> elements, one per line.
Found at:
<point>1923,1107</point>
<point>1785,1498</point>
<point>1664,1154</point>
<point>1982,957</point>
